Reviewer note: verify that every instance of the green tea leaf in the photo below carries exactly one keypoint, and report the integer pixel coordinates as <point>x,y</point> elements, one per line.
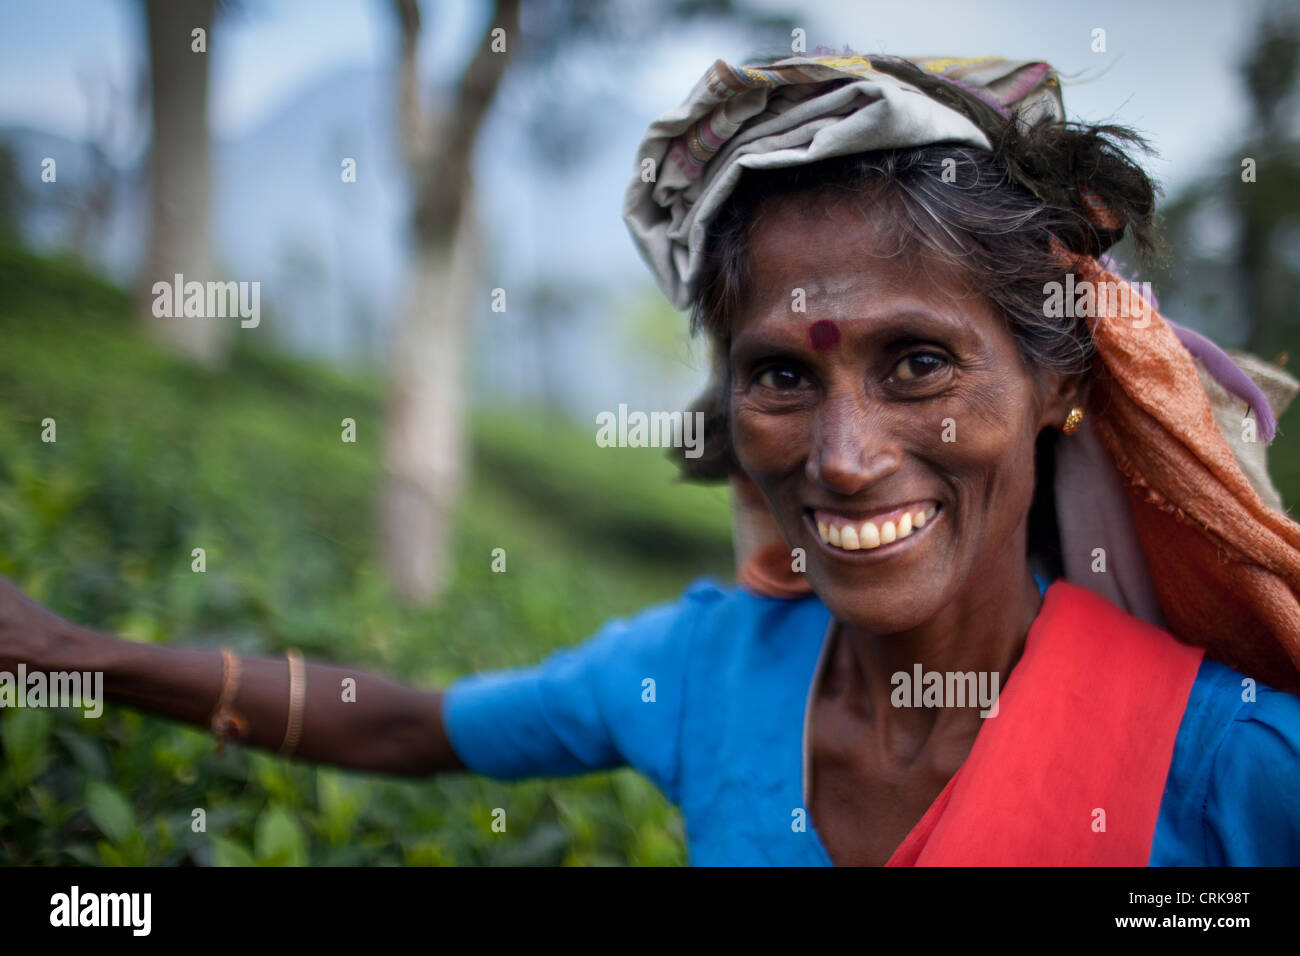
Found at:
<point>278,840</point>
<point>230,853</point>
<point>110,811</point>
<point>26,737</point>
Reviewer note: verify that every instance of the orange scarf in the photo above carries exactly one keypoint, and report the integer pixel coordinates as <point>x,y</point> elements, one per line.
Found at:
<point>1226,567</point>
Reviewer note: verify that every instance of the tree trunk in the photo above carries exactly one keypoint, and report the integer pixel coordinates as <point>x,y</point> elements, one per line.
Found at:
<point>424,435</point>
<point>180,174</point>
<point>424,441</point>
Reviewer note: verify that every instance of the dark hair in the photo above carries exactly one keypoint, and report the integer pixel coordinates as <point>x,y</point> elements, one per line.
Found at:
<point>994,214</point>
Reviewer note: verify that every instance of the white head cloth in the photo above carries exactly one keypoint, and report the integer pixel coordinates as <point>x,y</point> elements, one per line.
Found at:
<point>793,112</point>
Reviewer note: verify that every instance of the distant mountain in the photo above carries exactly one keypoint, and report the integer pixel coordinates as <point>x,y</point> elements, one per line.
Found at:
<point>53,208</point>
<point>332,256</point>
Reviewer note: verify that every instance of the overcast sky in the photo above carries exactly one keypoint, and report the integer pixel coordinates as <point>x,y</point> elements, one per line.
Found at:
<point>1169,67</point>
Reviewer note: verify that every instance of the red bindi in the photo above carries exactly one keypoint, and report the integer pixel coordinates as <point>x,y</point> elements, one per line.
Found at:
<point>824,334</point>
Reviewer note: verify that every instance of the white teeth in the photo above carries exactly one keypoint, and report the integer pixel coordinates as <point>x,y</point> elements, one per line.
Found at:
<point>866,536</point>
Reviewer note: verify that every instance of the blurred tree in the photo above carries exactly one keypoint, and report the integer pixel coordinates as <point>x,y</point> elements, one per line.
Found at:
<point>180,172</point>
<point>424,441</point>
<point>94,203</point>
<point>14,198</point>
<point>1266,214</point>
<point>424,447</point>
<point>1236,232</point>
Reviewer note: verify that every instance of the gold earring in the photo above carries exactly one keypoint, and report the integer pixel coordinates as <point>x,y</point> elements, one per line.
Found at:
<point>1072,421</point>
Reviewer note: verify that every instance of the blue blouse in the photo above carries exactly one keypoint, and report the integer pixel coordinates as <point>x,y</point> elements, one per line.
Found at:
<point>707,698</point>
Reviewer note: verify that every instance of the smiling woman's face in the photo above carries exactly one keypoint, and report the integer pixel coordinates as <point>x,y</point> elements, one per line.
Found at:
<point>896,409</point>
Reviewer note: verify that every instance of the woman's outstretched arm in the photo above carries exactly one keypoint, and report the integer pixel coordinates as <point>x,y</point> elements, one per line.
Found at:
<point>387,728</point>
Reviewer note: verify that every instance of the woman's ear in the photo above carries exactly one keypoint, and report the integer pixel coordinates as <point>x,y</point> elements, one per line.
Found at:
<point>1075,390</point>
<point>1063,393</point>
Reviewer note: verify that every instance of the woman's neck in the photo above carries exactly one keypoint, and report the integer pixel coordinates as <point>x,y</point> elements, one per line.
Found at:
<point>981,631</point>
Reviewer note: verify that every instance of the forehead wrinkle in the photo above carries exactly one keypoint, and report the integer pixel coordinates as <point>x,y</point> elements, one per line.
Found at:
<point>860,329</point>
<point>833,290</point>
<point>845,275</point>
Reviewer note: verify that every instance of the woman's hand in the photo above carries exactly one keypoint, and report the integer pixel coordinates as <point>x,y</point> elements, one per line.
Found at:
<point>28,631</point>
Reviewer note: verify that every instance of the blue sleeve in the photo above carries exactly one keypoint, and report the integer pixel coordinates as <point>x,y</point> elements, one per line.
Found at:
<point>1252,805</point>
<point>614,701</point>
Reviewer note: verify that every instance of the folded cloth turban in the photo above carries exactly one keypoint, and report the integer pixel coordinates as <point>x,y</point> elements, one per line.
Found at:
<point>1162,476</point>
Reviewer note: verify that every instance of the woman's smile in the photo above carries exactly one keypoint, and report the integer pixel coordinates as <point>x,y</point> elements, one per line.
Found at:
<point>884,531</point>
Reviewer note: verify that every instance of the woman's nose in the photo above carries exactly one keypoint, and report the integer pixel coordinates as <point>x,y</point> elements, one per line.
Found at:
<point>851,447</point>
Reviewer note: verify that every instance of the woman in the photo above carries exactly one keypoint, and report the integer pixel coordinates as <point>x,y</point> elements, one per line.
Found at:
<point>967,512</point>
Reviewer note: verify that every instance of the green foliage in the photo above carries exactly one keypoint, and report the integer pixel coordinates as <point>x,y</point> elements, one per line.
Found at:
<point>154,459</point>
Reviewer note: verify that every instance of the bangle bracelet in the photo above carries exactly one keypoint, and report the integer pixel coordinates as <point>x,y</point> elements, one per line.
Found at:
<point>297,701</point>
<point>226,721</point>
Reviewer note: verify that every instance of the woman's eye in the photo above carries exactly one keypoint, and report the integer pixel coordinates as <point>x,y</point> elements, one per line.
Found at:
<point>918,365</point>
<point>780,377</point>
